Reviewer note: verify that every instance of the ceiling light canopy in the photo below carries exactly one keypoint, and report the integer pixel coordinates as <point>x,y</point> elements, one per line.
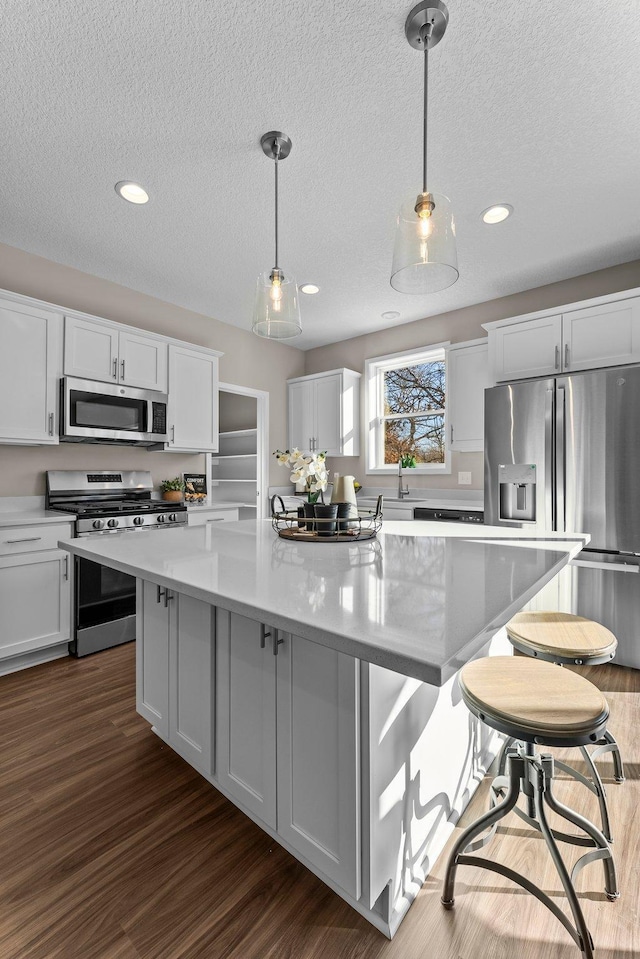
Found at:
<point>425,258</point>
<point>310,289</point>
<point>277,312</point>
<point>131,192</point>
<point>497,213</point>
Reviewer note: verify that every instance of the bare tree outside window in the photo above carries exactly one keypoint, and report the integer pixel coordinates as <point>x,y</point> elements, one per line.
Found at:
<point>413,418</point>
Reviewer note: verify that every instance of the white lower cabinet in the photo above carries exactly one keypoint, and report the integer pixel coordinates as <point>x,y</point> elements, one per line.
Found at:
<point>35,600</point>
<point>175,671</point>
<point>288,741</point>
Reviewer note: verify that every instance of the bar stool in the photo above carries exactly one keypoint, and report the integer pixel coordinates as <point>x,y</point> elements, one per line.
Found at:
<point>563,638</point>
<point>535,704</point>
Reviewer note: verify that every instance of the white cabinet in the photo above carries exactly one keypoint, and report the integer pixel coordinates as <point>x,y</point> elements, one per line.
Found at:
<point>246,702</point>
<point>605,335</point>
<point>324,413</point>
<point>193,400</point>
<point>288,741</point>
<point>35,590</point>
<point>30,367</point>
<point>318,742</point>
<point>99,351</point>
<point>175,671</point>
<point>468,377</point>
<point>529,348</point>
<point>202,516</point>
<point>601,335</point>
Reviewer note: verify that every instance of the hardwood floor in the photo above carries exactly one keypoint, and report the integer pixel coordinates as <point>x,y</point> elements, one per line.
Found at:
<point>113,848</point>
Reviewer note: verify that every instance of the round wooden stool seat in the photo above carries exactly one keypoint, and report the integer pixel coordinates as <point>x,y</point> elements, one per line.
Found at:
<point>561,638</point>
<point>534,701</point>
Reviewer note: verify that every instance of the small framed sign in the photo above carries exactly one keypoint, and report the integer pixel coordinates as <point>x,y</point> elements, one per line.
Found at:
<point>195,487</point>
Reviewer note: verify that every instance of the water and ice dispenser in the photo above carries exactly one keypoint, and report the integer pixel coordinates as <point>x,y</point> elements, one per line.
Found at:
<point>517,492</point>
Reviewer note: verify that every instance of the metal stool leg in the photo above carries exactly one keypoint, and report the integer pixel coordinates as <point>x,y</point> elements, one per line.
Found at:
<point>543,772</point>
<point>609,745</point>
<point>599,791</point>
<point>491,817</point>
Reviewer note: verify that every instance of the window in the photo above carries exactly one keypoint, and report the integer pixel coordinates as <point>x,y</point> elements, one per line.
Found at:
<point>406,410</point>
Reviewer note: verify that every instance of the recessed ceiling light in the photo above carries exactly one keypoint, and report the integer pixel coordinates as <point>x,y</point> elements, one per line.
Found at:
<point>309,288</point>
<point>132,192</point>
<point>390,315</point>
<point>497,213</point>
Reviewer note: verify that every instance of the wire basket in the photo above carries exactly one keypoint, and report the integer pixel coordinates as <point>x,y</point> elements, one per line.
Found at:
<point>357,527</point>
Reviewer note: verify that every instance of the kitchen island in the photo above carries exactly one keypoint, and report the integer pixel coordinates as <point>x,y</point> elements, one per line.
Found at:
<point>315,684</point>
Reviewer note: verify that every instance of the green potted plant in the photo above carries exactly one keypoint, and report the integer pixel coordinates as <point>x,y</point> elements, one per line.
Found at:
<point>172,489</point>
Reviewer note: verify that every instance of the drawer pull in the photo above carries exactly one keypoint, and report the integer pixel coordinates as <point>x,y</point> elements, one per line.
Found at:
<point>27,539</point>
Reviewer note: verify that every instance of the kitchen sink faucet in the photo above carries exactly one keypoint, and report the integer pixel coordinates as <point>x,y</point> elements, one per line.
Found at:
<point>402,490</point>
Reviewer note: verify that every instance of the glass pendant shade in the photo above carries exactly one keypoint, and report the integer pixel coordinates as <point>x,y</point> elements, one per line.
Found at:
<point>425,259</point>
<point>277,311</point>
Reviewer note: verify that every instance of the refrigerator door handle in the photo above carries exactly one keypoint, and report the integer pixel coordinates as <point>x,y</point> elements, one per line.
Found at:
<point>560,484</point>
<point>609,567</point>
<point>548,461</point>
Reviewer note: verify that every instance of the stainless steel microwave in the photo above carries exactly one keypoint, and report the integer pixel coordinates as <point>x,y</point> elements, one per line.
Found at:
<point>95,412</point>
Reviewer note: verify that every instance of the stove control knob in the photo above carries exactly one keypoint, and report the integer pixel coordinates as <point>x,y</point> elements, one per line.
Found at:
<point>138,520</point>
<point>98,524</point>
<point>112,523</point>
<point>172,517</point>
<point>161,518</point>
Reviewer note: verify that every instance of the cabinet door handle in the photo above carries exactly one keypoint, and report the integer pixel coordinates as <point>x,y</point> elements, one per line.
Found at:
<point>556,365</point>
<point>168,596</point>
<point>310,444</point>
<point>276,642</point>
<point>50,424</point>
<point>161,593</point>
<point>566,354</point>
<point>115,367</point>
<point>122,369</point>
<point>66,568</point>
<point>26,539</point>
<point>264,633</point>
<point>451,429</point>
<point>173,434</point>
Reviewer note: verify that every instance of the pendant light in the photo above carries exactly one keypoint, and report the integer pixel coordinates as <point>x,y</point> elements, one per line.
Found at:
<point>277,312</point>
<point>424,256</point>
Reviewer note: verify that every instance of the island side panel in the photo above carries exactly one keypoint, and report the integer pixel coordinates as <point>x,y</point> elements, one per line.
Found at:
<point>427,756</point>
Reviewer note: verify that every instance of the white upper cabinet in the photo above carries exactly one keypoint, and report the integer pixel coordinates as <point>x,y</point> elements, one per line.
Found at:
<point>143,361</point>
<point>192,418</point>
<point>529,348</point>
<point>592,337</point>
<point>606,335</point>
<point>324,413</point>
<point>98,351</point>
<point>468,377</point>
<point>30,367</point>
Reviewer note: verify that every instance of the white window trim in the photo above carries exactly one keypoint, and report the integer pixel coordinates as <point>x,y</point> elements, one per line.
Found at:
<point>373,367</point>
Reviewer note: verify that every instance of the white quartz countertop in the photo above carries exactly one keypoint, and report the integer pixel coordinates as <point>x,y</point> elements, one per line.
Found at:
<point>421,599</point>
<point>33,517</point>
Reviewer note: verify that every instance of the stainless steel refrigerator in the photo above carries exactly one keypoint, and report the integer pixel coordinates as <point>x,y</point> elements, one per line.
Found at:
<point>564,454</point>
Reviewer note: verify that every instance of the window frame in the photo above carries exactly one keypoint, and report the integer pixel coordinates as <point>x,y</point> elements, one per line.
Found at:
<point>374,399</point>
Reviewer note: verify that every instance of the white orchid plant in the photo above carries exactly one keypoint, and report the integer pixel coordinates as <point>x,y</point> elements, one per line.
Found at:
<point>308,469</point>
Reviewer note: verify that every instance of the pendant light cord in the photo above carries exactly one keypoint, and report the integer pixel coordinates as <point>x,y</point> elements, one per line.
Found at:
<point>425,33</point>
<point>277,157</point>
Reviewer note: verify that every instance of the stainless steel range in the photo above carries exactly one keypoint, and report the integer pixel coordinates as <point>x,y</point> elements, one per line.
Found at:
<point>107,503</point>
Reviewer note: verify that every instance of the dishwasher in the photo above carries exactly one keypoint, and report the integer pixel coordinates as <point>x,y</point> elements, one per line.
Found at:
<point>449,515</point>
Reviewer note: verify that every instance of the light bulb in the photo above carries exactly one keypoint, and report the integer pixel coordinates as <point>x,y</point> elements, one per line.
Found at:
<point>276,289</point>
<point>425,226</point>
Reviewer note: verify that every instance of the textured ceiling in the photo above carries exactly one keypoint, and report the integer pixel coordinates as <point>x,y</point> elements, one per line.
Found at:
<point>532,104</point>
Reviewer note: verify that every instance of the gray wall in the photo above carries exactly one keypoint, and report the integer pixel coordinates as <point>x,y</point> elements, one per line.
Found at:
<point>248,361</point>
<point>456,326</point>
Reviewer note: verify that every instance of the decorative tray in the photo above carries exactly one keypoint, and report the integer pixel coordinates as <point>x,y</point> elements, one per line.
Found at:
<point>361,525</point>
